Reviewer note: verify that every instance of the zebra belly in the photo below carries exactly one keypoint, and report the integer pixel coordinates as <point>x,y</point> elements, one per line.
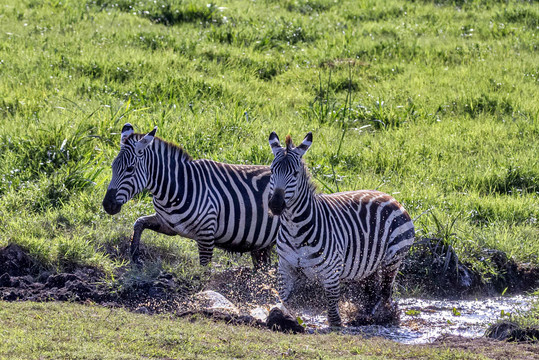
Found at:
<point>204,227</point>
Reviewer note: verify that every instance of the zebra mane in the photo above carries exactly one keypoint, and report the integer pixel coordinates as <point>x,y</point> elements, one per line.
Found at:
<point>183,155</point>
<point>312,185</point>
<point>288,142</point>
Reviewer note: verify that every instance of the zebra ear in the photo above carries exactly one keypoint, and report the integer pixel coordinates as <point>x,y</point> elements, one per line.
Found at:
<point>145,141</point>
<point>305,144</point>
<point>274,143</point>
<point>127,130</point>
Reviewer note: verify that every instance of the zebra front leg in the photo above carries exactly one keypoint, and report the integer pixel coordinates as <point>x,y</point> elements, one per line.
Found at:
<point>332,287</point>
<point>287,277</point>
<point>205,251</point>
<point>151,222</point>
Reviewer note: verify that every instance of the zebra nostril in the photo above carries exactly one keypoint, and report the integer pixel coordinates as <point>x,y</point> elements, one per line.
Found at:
<point>276,202</point>
<point>110,204</point>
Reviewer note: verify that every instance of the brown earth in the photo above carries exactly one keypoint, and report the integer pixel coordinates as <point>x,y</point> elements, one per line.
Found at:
<point>493,349</point>
<point>20,280</point>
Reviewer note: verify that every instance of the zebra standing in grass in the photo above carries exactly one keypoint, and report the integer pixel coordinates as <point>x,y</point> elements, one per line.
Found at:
<point>347,236</point>
<point>216,204</point>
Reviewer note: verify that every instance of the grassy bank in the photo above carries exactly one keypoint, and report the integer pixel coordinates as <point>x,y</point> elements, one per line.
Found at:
<point>33,330</point>
<point>432,102</point>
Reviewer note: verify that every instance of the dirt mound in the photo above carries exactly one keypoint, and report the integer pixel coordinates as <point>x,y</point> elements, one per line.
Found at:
<point>20,279</point>
<point>510,331</point>
<point>434,268</point>
<point>78,286</point>
<point>15,262</point>
<point>512,276</point>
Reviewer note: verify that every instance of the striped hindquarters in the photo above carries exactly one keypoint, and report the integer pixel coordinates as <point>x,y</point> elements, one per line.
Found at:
<point>372,229</point>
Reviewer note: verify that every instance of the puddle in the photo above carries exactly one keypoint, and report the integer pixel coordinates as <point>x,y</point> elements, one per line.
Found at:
<point>422,321</point>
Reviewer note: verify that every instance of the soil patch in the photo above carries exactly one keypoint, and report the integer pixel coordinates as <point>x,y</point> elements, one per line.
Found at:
<point>193,315</point>
<point>493,349</point>
<point>20,280</point>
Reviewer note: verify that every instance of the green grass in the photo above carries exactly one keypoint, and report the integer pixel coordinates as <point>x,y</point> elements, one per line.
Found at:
<point>39,330</point>
<point>431,101</point>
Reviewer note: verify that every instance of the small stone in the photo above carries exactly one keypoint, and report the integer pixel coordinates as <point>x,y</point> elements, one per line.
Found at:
<point>212,300</point>
<point>259,313</point>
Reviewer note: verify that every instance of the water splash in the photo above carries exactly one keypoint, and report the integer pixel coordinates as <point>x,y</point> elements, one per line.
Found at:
<point>423,321</point>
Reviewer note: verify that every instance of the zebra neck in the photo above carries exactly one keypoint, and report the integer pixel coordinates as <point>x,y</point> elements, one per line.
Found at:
<point>166,165</point>
<point>300,218</point>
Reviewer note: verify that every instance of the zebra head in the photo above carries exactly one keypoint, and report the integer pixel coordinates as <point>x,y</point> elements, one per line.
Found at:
<point>286,170</point>
<point>129,176</point>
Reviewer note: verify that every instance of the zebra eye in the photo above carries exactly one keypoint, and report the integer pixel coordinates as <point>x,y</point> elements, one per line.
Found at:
<point>130,168</point>
<point>296,173</point>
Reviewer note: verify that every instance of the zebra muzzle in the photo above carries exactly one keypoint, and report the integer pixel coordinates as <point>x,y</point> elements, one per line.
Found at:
<point>276,202</point>
<point>110,204</point>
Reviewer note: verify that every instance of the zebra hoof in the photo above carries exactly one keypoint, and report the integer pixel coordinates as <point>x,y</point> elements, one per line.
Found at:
<point>335,323</point>
<point>335,327</point>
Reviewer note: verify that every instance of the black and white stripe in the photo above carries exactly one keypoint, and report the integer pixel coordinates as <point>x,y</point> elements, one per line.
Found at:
<point>216,204</point>
<point>347,236</point>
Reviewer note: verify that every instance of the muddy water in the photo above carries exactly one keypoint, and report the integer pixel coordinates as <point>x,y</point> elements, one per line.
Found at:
<point>422,321</point>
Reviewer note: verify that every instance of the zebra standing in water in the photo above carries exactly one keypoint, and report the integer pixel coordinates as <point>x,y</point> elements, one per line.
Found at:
<point>216,204</point>
<point>347,236</point>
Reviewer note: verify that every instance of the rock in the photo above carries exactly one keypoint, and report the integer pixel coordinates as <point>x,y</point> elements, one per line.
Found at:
<point>279,321</point>
<point>212,300</point>
<point>259,313</point>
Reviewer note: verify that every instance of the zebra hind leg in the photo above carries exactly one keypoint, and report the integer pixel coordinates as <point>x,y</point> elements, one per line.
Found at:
<point>205,251</point>
<point>368,299</point>
<point>332,287</point>
<point>151,222</point>
<point>261,258</point>
<point>387,311</point>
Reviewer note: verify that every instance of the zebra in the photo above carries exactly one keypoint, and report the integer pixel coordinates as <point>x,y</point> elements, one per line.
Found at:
<point>216,204</point>
<point>355,236</point>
